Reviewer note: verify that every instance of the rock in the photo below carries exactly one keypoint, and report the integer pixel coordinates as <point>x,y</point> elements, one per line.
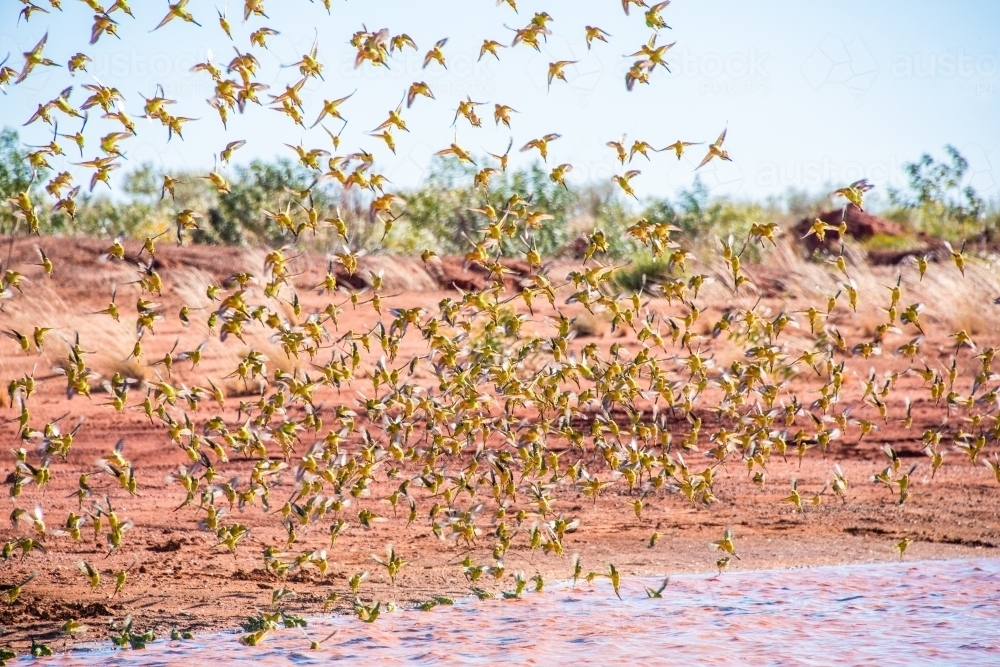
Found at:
<point>860,225</point>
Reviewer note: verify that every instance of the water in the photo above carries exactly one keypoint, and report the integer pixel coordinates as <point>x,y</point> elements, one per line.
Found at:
<point>944,612</point>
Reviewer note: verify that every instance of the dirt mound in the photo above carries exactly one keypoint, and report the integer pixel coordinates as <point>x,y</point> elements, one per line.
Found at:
<point>82,265</point>
<point>860,225</point>
<point>454,272</point>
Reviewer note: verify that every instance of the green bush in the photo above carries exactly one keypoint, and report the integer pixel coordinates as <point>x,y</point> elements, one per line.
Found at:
<point>439,212</point>
<point>935,200</point>
<point>15,173</point>
<point>643,272</point>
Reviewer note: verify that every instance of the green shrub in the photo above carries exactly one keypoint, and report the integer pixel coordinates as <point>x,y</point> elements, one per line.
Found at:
<point>644,271</point>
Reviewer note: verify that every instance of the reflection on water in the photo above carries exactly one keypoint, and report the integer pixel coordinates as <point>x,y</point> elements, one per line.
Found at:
<point>889,614</point>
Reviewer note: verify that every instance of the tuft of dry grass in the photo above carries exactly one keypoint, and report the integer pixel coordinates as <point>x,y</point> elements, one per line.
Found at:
<point>589,325</point>
<point>109,343</point>
<point>190,286</point>
<point>951,300</point>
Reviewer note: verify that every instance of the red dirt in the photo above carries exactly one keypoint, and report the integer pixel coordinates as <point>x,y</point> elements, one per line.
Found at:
<point>183,579</point>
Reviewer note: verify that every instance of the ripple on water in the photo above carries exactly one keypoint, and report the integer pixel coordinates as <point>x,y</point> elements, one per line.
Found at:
<point>892,614</point>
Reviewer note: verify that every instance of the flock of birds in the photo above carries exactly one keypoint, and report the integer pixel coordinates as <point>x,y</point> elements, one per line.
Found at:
<point>504,426</point>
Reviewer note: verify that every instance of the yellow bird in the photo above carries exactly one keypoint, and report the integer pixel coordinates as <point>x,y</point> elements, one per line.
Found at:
<point>994,465</point>
<point>400,41</point>
<point>490,46</point>
<point>653,18</point>
<point>45,263</point>
<point>957,257</point>
<point>616,579</point>
<point>253,7</point>
<point>467,109</point>
<point>623,181</point>
<point>78,62</point>
<point>658,593</point>
<point>224,23</point>
<point>542,145</point>
<point>331,108</point>
<point>715,150</point>
<point>641,148</point>
<point>595,33</point>
<point>259,37</point>
<point>14,592</point>
<point>855,192</point>
<point>626,4</point>
<point>30,9</point>
<point>795,498</point>
<point>119,5</point>
<point>38,337</point>
<point>502,159</point>
<point>436,54</point>
<point>727,544</point>
<point>819,229</point>
<point>501,114</point>
<point>23,341</point>
<point>186,219</point>
<point>620,149</point>
<point>556,70</point>
<point>962,339</point>
<point>230,148</point>
<point>558,174</point>
<point>459,152</point>
<point>678,147</point>
<point>89,571</point>
<point>385,136</point>
<point>34,58</point>
<point>418,88</point>
<point>902,545</point>
<point>72,626</point>
<point>176,11</point>
<point>652,54</point>
<point>103,24</point>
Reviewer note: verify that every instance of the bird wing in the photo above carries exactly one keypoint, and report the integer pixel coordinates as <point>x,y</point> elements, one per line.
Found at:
<point>708,157</point>
<point>166,19</point>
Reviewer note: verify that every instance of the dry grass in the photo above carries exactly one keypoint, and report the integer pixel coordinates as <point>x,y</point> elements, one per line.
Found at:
<point>190,287</point>
<point>588,325</point>
<point>109,343</point>
<point>950,300</point>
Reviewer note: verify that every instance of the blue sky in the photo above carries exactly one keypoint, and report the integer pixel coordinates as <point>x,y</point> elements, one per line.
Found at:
<point>814,94</point>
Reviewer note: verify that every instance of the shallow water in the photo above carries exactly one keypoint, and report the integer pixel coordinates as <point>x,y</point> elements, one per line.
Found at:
<point>935,612</point>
